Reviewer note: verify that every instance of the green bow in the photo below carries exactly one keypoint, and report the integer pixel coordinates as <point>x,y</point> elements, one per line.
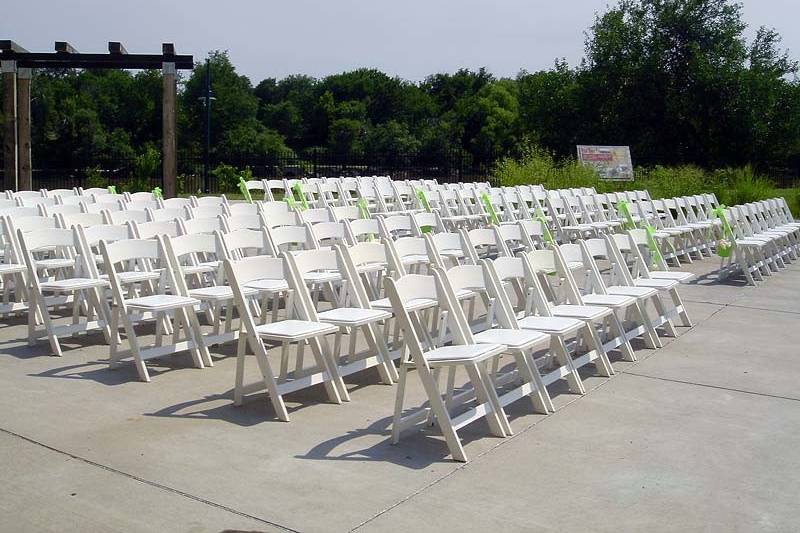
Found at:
<point>157,193</point>
<point>112,189</point>
<point>423,200</point>
<point>548,237</point>
<point>625,209</point>
<point>487,203</point>
<point>289,199</point>
<point>363,212</point>
<point>297,188</point>
<point>724,250</point>
<point>245,192</point>
<point>655,251</point>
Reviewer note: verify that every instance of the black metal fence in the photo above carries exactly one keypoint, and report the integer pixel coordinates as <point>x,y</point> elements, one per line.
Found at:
<point>451,166</point>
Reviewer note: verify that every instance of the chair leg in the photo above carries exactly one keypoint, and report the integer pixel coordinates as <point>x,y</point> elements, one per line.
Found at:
<point>241,356</point>
<point>559,349</point>
<point>195,331</point>
<point>399,398</point>
<point>486,394</point>
<point>269,378</point>
<point>133,341</point>
<point>603,364</point>
<point>678,302</point>
<point>334,385</point>
<point>441,414</point>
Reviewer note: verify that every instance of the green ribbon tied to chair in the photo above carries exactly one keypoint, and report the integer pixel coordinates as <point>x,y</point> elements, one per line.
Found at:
<point>625,209</point>
<point>157,193</point>
<point>244,190</point>
<point>112,189</point>
<point>546,234</point>
<point>655,251</point>
<point>289,199</point>
<point>297,190</point>
<point>487,204</point>
<point>426,205</point>
<point>724,245</point>
<point>363,212</point>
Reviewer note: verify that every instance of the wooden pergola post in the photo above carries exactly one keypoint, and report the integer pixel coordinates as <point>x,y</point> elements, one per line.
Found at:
<point>170,143</point>
<point>9,68</point>
<point>25,173</point>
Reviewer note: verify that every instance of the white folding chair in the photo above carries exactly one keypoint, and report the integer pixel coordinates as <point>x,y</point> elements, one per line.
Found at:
<point>171,312</point>
<point>290,331</point>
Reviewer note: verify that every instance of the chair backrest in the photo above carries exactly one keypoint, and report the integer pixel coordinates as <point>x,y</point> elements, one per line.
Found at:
<point>243,208</point>
<point>16,212</point>
<point>141,205</point>
<point>26,224</point>
<point>244,243</point>
<point>275,218</point>
<point>441,245</point>
<point>176,203</point>
<point>402,294</point>
<point>396,226</point>
<point>149,230</point>
<point>362,229</point>
<point>401,250</point>
<point>315,216</point>
<point>242,221</point>
<point>132,255</point>
<point>122,217</point>
<point>347,212</point>
<point>329,233</point>
<point>209,201</point>
<point>70,209</point>
<point>240,272</point>
<point>202,225</point>
<point>142,196</point>
<point>289,238</point>
<point>166,213</point>
<point>84,219</point>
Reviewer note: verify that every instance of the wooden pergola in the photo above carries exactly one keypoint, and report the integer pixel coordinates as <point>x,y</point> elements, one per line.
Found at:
<point>17,65</point>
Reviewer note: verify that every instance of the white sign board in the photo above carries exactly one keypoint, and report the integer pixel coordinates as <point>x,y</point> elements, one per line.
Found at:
<point>611,162</point>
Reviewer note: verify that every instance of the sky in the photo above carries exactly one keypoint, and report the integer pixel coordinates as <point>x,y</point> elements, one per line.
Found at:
<point>406,38</point>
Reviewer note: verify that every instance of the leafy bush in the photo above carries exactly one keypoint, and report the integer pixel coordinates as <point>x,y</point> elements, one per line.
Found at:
<point>94,178</point>
<point>227,178</point>
<point>145,168</point>
<point>741,185</point>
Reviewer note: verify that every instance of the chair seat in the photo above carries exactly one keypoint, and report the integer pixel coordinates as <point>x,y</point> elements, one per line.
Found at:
<point>218,293</point>
<point>550,324</point>
<point>57,262</point>
<point>322,277</point>
<point>202,268</point>
<point>608,300</point>
<point>636,292</point>
<point>370,267</point>
<point>11,268</point>
<point>672,274</point>
<point>583,312</point>
<point>72,284</point>
<point>353,316</point>
<point>133,276</point>
<point>459,354</point>
<point>161,302</point>
<point>517,339</point>
<point>452,253</point>
<point>413,259</point>
<point>412,305</point>
<point>273,285</point>
<point>294,330</point>
<point>656,283</point>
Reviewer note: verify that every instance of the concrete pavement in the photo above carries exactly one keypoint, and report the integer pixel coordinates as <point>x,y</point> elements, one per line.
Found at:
<point>697,436</point>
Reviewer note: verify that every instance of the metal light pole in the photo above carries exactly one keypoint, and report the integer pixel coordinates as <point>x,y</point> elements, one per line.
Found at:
<point>207,98</point>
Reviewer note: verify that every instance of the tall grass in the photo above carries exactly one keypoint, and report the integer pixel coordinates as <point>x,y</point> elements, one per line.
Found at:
<point>731,185</point>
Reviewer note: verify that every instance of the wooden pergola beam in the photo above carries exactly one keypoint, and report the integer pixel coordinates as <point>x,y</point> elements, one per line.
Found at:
<point>11,46</point>
<point>63,47</point>
<point>116,48</point>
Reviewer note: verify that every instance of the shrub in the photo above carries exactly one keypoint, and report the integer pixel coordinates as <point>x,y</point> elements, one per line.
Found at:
<point>741,185</point>
<point>94,178</point>
<point>227,178</point>
<point>145,168</point>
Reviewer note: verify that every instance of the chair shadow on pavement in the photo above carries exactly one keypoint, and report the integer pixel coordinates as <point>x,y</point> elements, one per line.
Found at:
<point>712,278</point>
<point>417,449</point>
<point>99,371</point>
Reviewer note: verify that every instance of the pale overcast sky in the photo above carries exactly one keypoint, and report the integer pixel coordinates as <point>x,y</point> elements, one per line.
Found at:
<point>407,38</point>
